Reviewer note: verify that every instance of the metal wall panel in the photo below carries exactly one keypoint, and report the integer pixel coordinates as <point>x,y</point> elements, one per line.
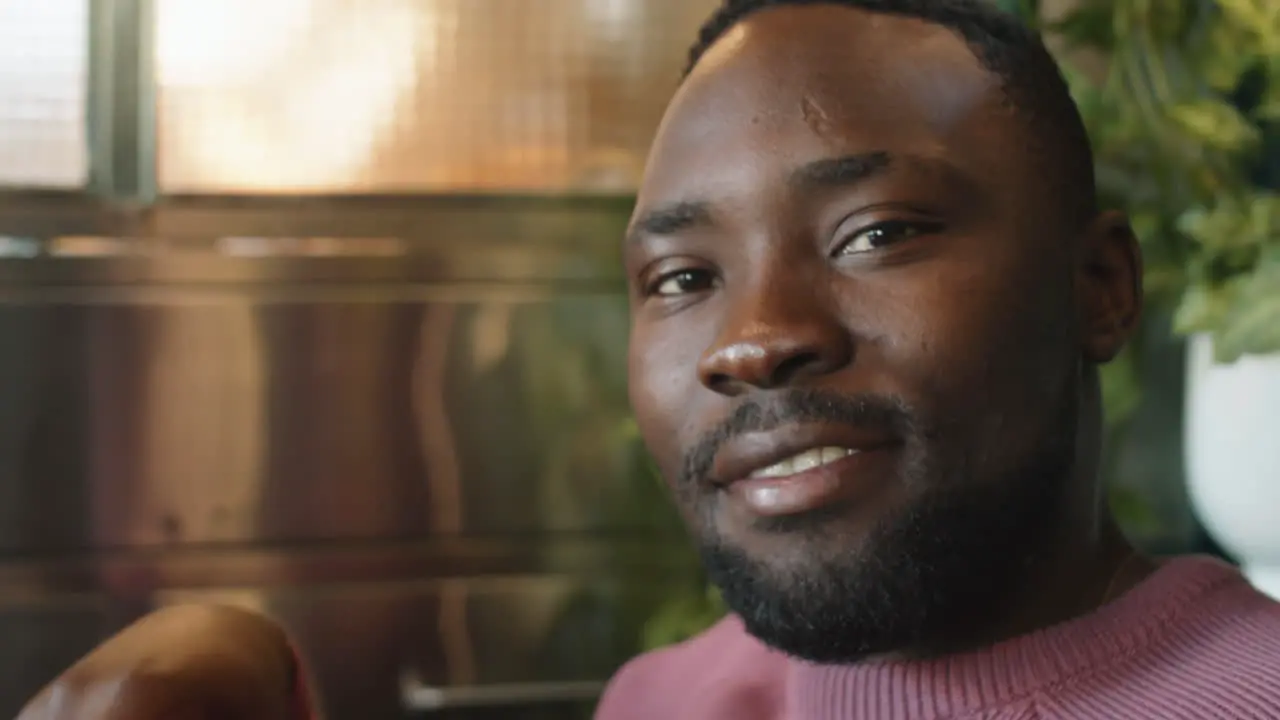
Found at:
<point>413,447</point>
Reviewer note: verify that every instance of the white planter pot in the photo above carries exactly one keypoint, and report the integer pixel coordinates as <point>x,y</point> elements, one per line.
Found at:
<point>1233,457</point>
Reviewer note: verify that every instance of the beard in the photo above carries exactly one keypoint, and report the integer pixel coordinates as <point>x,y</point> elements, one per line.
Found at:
<point>926,577</point>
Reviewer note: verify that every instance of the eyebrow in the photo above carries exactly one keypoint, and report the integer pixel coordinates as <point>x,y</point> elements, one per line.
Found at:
<point>670,219</point>
<point>843,171</point>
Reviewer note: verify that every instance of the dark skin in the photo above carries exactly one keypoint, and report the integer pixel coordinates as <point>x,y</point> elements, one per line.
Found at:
<point>837,203</point>
<point>843,202</point>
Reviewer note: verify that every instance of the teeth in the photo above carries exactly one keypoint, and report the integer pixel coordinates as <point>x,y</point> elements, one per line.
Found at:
<point>807,460</point>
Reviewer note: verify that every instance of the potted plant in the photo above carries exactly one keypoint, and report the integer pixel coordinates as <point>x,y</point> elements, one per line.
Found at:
<point>1181,99</point>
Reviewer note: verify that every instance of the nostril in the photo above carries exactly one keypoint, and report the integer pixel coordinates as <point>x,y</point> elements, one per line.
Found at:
<point>722,383</point>
<point>794,365</point>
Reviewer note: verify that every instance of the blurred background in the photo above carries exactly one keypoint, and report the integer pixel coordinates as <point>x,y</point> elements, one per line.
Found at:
<point>314,307</point>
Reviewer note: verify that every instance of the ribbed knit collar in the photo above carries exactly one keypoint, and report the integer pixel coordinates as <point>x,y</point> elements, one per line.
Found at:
<point>1012,670</point>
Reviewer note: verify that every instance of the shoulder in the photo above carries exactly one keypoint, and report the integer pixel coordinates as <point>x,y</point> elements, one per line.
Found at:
<point>722,661</point>
<point>1224,647</point>
<point>1234,611</point>
<point>1238,622</point>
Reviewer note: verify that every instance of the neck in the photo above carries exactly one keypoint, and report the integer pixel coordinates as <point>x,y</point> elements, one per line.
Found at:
<point>1173,605</point>
<point>1086,561</point>
<point>1080,564</point>
<point>1073,579</point>
<point>1068,581</point>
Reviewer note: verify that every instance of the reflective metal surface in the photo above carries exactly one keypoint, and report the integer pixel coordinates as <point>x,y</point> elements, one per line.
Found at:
<point>412,448</point>
<point>419,697</point>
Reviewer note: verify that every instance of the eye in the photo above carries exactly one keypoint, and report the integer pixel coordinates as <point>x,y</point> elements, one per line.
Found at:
<point>884,233</point>
<point>682,282</point>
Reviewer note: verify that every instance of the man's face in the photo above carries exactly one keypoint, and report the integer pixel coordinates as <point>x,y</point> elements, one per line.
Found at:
<point>855,352</point>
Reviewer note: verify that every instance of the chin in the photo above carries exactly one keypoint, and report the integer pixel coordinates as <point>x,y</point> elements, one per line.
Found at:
<point>787,545</point>
<point>835,590</point>
<point>831,610</point>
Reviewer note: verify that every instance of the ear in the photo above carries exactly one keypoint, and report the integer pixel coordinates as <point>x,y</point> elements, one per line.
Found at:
<point>1109,286</point>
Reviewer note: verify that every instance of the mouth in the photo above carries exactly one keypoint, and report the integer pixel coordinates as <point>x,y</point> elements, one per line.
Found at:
<point>799,470</point>
<point>802,461</point>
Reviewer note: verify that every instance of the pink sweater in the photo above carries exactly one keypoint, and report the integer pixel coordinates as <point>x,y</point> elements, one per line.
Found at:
<point>1192,642</point>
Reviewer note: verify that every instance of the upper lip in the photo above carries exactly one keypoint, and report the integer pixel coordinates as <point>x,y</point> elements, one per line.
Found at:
<point>749,452</point>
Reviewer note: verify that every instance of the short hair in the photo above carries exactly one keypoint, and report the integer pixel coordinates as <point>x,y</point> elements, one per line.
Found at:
<point>1029,76</point>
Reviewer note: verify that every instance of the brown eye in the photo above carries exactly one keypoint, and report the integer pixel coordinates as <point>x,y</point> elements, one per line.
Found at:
<point>884,233</point>
<point>682,282</point>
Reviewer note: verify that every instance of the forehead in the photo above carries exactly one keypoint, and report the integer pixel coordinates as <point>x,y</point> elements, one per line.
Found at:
<point>793,84</point>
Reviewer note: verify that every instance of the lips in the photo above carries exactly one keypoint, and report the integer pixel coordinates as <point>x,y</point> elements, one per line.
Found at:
<point>801,469</point>
<point>791,451</point>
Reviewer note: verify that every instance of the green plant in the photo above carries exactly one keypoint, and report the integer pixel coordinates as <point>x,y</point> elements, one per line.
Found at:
<point>683,616</point>
<point>1180,98</point>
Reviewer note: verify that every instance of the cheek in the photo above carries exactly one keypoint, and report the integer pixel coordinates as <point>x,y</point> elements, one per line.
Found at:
<point>663,386</point>
<point>982,341</point>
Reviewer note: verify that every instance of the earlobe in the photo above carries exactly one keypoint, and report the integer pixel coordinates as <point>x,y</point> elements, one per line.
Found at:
<point>1110,286</point>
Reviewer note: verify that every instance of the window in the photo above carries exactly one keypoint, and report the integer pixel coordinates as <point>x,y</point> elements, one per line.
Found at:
<point>43,80</point>
<point>395,96</point>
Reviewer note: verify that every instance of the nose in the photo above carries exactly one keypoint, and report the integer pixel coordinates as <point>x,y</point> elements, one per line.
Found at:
<point>775,339</point>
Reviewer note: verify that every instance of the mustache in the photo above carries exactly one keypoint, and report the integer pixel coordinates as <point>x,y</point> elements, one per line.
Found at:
<point>884,413</point>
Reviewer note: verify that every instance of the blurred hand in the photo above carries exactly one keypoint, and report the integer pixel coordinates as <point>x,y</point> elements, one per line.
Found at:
<point>180,663</point>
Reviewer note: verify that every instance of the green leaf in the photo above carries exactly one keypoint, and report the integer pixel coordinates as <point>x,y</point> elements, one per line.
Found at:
<point>1234,223</point>
<point>1121,388</point>
<point>1256,14</point>
<point>1225,55</point>
<point>1215,124</point>
<point>1251,325</point>
<point>1169,23</point>
<point>1162,283</point>
<point>1269,110</point>
<point>1091,24</point>
<point>1132,510</point>
<point>1202,309</point>
<point>682,617</point>
<point>1145,224</point>
<point>1211,228</point>
<point>1263,218</point>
